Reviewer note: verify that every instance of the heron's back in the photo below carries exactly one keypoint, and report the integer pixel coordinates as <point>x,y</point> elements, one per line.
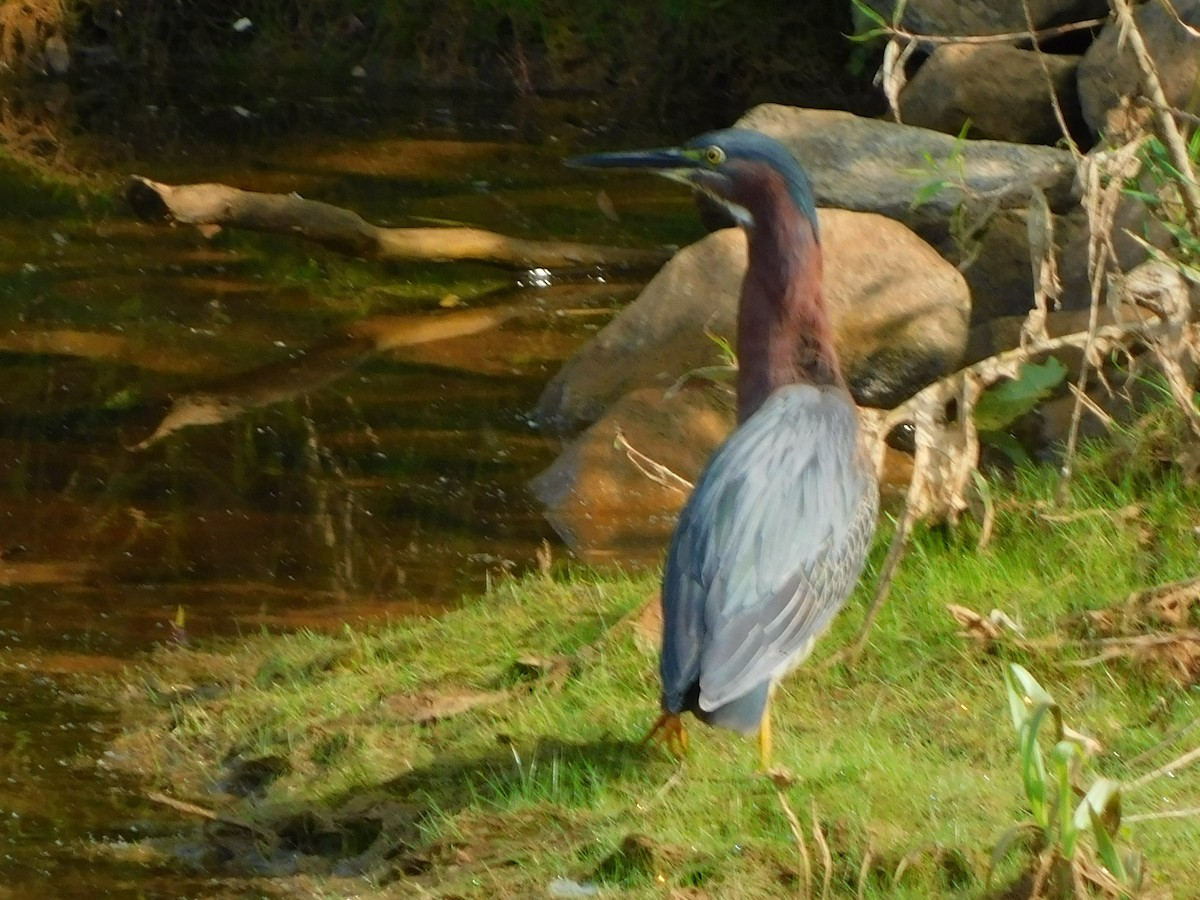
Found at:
<point>766,551</point>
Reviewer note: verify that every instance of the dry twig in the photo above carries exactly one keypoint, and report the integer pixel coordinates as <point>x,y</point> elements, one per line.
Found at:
<point>823,846</point>
<point>655,471</point>
<point>1168,769</point>
<point>801,845</point>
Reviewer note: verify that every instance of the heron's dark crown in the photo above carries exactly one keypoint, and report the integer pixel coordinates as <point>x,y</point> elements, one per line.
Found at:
<point>741,145</point>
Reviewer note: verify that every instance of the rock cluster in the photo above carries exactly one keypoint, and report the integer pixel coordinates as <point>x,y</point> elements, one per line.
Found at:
<point>1003,88</point>
<point>911,297</point>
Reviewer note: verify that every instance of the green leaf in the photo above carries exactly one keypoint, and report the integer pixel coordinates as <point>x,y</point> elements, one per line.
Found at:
<point>1027,687</point>
<point>1006,444</point>
<point>1144,196</point>
<point>869,13</point>
<point>1104,799</point>
<point>1106,849</point>
<point>862,37</point>
<point>714,374</point>
<point>1133,869</point>
<point>1017,708</point>
<point>927,192</point>
<point>1033,770</point>
<point>1029,703</point>
<point>1061,759</point>
<point>724,347</point>
<point>1003,404</point>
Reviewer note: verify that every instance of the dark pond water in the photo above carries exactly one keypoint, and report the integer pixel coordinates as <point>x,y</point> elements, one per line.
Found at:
<point>354,494</point>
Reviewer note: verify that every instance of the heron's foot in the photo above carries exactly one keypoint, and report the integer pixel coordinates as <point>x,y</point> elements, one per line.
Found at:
<point>669,731</point>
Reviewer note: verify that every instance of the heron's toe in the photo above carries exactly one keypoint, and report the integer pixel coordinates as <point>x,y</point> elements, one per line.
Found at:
<point>669,730</point>
<point>781,777</point>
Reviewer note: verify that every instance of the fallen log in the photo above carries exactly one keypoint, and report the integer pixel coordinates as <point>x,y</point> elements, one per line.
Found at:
<point>345,231</point>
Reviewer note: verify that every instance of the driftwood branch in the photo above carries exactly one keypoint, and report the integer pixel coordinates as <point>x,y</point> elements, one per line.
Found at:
<point>347,232</point>
<point>193,809</point>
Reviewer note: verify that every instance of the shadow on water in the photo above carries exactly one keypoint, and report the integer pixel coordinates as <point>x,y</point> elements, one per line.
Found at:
<point>347,474</point>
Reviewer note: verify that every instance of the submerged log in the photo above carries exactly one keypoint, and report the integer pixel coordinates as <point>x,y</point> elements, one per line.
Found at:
<point>207,205</point>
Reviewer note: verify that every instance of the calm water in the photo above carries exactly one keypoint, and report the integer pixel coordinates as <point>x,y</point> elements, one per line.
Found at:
<point>361,492</point>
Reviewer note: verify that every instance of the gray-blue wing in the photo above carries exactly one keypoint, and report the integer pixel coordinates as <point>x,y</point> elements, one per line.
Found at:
<point>767,548</point>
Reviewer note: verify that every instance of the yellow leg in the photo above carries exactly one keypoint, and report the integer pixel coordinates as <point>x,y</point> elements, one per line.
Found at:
<point>669,729</point>
<point>764,738</point>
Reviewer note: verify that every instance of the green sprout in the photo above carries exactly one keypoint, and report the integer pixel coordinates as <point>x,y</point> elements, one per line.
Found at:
<point>1061,824</point>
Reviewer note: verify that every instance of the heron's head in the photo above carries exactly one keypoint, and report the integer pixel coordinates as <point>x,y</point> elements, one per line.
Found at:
<point>731,165</point>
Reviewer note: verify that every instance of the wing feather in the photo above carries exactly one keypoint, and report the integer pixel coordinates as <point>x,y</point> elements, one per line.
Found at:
<point>767,548</point>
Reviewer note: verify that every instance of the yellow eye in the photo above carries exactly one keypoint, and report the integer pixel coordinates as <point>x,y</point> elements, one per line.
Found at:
<point>715,155</point>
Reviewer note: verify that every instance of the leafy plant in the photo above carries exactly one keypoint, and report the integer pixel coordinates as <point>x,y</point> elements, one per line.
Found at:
<point>1059,822</point>
<point>971,213</point>
<point>1157,185</point>
<point>720,373</point>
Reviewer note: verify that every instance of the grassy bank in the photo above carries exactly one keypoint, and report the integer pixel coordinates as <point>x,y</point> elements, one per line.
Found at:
<point>493,750</point>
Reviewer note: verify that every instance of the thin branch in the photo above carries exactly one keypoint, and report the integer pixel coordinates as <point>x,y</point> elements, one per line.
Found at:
<point>1173,110</point>
<point>1169,738</point>
<point>1170,768</point>
<point>1100,202</point>
<point>939,488</point>
<point>864,872</point>
<point>1008,37</point>
<point>202,812</point>
<point>1170,7</point>
<point>345,231</point>
<point>655,471</point>
<point>823,846</point>
<point>888,574</point>
<point>1054,103</point>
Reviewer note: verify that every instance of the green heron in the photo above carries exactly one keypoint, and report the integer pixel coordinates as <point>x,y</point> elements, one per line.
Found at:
<point>774,536</point>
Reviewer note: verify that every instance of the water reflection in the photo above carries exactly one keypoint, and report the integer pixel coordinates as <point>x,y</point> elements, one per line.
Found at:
<point>341,471</point>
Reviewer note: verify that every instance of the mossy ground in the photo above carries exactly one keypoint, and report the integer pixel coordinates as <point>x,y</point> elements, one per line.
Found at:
<point>906,758</point>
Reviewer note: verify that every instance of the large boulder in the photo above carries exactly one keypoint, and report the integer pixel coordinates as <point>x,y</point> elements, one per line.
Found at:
<point>1001,90</point>
<point>601,503</point>
<point>899,313</point>
<point>876,166</point>
<point>1000,273</point>
<point>1110,71</point>
<point>604,505</point>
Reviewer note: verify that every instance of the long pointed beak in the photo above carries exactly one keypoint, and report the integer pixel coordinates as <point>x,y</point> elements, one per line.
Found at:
<point>664,160</point>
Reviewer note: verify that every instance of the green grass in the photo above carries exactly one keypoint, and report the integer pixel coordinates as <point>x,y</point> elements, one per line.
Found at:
<point>910,756</point>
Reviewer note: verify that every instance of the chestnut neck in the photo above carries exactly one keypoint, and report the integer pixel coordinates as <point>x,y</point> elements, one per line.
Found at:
<point>783,331</point>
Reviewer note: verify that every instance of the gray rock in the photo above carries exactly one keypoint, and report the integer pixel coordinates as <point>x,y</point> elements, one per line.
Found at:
<point>1109,72</point>
<point>1001,90</point>
<point>980,17</point>
<point>1132,218</point>
<point>899,313</point>
<point>1001,275</point>
<point>877,166</point>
